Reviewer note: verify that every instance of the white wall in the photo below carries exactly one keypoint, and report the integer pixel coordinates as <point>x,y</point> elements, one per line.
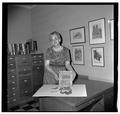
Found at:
<point>19,24</point>
<point>61,18</point>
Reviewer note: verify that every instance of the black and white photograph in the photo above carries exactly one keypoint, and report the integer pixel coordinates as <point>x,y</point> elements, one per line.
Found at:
<point>77,35</point>
<point>98,56</point>
<point>49,63</point>
<point>97,31</point>
<point>78,54</point>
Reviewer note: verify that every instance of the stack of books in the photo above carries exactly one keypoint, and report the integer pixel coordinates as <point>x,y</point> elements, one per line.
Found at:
<point>21,49</point>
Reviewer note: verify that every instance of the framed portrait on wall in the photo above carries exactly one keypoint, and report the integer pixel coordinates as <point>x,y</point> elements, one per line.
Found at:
<point>77,35</point>
<point>111,26</point>
<point>97,31</point>
<point>97,56</point>
<point>78,54</point>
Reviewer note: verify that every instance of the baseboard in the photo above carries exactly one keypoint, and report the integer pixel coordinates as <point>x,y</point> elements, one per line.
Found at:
<point>100,79</point>
<point>83,76</point>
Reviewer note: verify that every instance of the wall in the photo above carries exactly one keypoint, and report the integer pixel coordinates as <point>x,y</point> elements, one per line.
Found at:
<point>46,19</point>
<point>19,24</point>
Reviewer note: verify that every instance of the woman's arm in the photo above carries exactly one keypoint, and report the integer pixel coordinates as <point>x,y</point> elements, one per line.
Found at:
<point>47,62</point>
<point>69,67</point>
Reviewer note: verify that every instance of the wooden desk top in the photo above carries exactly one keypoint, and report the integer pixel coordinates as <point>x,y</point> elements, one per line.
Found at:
<point>94,88</point>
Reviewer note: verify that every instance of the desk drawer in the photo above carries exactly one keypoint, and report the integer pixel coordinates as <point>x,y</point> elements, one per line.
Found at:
<point>11,65</point>
<point>11,59</point>
<point>24,71</point>
<point>12,71</point>
<point>12,83</point>
<point>12,101</point>
<point>39,62</point>
<point>25,82</point>
<point>26,92</point>
<point>38,69</point>
<point>12,88</point>
<point>37,56</point>
<point>11,76</point>
<point>23,60</point>
<point>12,94</point>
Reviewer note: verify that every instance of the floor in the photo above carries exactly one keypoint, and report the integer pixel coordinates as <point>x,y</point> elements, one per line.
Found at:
<point>32,106</point>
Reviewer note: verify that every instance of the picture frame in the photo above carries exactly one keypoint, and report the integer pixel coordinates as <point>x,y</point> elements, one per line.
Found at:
<point>97,31</point>
<point>77,35</point>
<point>111,28</point>
<point>78,54</point>
<point>97,54</point>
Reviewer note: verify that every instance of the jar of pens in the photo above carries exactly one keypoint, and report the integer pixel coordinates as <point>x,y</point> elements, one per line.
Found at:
<point>28,47</point>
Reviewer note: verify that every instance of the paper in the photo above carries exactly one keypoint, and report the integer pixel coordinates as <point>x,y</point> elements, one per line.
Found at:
<point>78,90</point>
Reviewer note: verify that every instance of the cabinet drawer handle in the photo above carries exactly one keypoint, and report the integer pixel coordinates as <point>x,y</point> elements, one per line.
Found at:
<point>14,99</point>
<point>26,91</point>
<point>11,64</point>
<point>13,88</point>
<point>25,80</point>
<point>38,67</point>
<point>12,70</point>
<point>39,56</point>
<point>14,94</point>
<point>24,69</point>
<point>13,76</point>
<point>34,62</point>
<point>13,82</point>
<point>11,58</point>
<point>34,56</point>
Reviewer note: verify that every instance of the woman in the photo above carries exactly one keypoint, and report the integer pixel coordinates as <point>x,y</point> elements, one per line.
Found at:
<point>57,59</point>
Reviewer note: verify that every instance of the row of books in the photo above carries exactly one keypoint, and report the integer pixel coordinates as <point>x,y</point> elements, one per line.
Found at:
<point>21,49</point>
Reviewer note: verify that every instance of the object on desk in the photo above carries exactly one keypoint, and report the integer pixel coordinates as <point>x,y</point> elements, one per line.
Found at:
<point>65,90</point>
<point>65,79</point>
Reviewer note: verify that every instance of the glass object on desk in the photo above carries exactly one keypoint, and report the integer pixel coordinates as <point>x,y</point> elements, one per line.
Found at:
<point>65,82</point>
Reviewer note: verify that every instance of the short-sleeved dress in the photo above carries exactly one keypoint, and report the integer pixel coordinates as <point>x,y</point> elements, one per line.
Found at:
<point>57,62</point>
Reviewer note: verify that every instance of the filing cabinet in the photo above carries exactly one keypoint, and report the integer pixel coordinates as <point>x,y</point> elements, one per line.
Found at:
<point>38,71</point>
<point>25,76</point>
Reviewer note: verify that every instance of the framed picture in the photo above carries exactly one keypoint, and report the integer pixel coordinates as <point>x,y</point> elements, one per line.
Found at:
<point>78,54</point>
<point>77,35</point>
<point>97,31</point>
<point>111,26</point>
<point>97,56</point>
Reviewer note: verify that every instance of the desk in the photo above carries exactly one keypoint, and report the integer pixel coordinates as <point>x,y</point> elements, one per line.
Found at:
<point>96,90</point>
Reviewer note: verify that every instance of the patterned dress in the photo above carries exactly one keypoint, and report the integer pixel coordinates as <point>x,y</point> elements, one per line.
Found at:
<point>57,62</point>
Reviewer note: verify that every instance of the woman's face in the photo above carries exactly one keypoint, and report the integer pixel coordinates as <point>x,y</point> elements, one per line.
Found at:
<point>55,41</point>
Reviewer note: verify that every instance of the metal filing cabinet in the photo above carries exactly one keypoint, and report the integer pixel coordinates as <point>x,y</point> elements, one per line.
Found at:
<point>12,96</point>
<point>25,76</point>
<point>38,71</point>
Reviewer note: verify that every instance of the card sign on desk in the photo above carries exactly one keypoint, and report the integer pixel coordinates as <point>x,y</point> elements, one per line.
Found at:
<point>78,90</point>
<point>65,82</point>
